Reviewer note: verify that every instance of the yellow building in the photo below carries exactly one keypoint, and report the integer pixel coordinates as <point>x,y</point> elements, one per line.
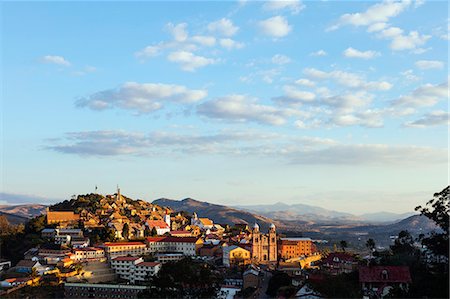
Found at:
<point>264,246</point>
<point>235,255</point>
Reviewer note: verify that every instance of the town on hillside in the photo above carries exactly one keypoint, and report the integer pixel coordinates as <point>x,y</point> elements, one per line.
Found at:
<point>96,246</point>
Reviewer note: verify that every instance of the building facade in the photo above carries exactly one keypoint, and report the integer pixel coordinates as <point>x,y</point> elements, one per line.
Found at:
<point>295,247</point>
<point>115,249</point>
<point>264,246</point>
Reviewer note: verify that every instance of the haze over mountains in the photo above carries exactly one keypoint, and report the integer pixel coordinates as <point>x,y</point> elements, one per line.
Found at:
<point>305,212</point>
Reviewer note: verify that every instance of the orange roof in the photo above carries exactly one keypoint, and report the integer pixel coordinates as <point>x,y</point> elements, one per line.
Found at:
<point>157,223</point>
<point>206,221</point>
<point>111,244</point>
<point>62,216</point>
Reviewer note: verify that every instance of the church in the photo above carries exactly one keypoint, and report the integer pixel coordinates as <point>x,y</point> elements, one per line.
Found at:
<point>264,246</point>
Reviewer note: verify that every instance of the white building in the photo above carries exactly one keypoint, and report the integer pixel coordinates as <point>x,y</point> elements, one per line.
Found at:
<point>169,257</point>
<point>185,245</point>
<point>88,253</point>
<point>115,249</point>
<point>203,223</point>
<point>134,269</point>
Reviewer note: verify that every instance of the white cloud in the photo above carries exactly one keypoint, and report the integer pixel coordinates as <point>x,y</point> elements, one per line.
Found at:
<point>377,13</point>
<point>400,41</point>
<point>59,60</point>
<point>295,6</point>
<point>377,27</point>
<point>348,79</point>
<point>223,27</point>
<point>179,32</point>
<point>204,40</point>
<point>280,59</point>
<point>189,61</point>
<point>409,75</point>
<point>305,82</point>
<point>425,95</point>
<point>244,109</point>
<point>142,98</point>
<point>354,53</point>
<point>275,27</point>
<point>429,64</point>
<point>319,53</point>
<point>434,118</point>
<point>295,95</point>
<point>229,44</point>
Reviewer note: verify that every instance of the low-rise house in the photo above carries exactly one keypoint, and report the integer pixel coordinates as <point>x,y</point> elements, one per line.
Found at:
<point>235,255</point>
<point>339,262</point>
<point>14,282</point>
<point>64,263</point>
<point>27,266</point>
<point>251,277</point>
<point>114,249</point>
<point>160,226</point>
<point>79,242</point>
<point>377,281</point>
<point>4,265</point>
<point>180,233</point>
<point>63,218</point>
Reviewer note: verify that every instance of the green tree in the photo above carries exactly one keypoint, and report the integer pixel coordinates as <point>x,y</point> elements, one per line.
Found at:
<point>343,245</point>
<point>147,231</point>
<point>154,232</point>
<point>278,280</point>
<point>126,231</point>
<point>404,244</point>
<point>438,209</point>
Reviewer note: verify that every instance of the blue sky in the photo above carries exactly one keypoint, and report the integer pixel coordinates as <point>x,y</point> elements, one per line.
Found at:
<point>338,104</point>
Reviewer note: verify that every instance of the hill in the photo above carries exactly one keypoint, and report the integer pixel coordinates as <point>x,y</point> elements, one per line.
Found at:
<point>25,210</point>
<point>14,219</point>
<point>218,213</point>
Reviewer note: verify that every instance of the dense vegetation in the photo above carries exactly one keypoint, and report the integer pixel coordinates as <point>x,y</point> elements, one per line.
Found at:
<point>184,279</point>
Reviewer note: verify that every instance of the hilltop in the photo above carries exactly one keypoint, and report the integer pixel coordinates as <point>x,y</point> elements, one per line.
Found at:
<point>26,211</point>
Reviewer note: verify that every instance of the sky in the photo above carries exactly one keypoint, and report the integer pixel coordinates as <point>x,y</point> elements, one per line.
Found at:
<point>342,105</point>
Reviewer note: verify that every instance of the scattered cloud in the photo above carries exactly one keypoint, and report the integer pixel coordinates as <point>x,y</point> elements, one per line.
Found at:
<point>280,59</point>
<point>347,79</point>
<point>17,199</point>
<point>434,118</point>
<point>204,40</point>
<point>54,59</point>
<point>294,6</point>
<point>224,27</point>
<point>429,64</point>
<point>296,150</point>
<point>229,44</point>
<point>410,76</point>
<point>354,53</point>
<point>189,61</point>
<point>142,98</point>
<point>375,14</point>
<point>319,53</point>
<point>400,41</point>
<point>275,27</point>
<point>305,82</point>
<point>242,108</point>
<point>425,95</point>
<point>179,32</point>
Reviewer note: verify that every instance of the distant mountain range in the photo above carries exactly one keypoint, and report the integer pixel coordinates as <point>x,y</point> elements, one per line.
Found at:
<point>305,212</point>
<point>25,210</point>
<point>218,213</point>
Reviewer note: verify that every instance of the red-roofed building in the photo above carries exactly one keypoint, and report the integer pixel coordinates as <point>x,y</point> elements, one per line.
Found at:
<point>339,262</point>
<point>161,226</point>
<point>378,280</point>
<point>88,253</point>
<point>187,245</point>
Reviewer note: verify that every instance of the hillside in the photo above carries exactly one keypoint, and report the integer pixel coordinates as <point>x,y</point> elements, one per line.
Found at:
<point>25,210</point>
<point>218,213</point>
<point>14,219</point>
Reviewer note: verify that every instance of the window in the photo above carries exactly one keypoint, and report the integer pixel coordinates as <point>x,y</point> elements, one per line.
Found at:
<point>384,275</point>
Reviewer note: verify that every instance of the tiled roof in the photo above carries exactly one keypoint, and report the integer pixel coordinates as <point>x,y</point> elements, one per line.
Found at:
<point>26,263</point>
<point>157,223</point>
<point>62,216</point>
<point>206,221</point>
<point>375,274</point>
<point>342,256</point>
